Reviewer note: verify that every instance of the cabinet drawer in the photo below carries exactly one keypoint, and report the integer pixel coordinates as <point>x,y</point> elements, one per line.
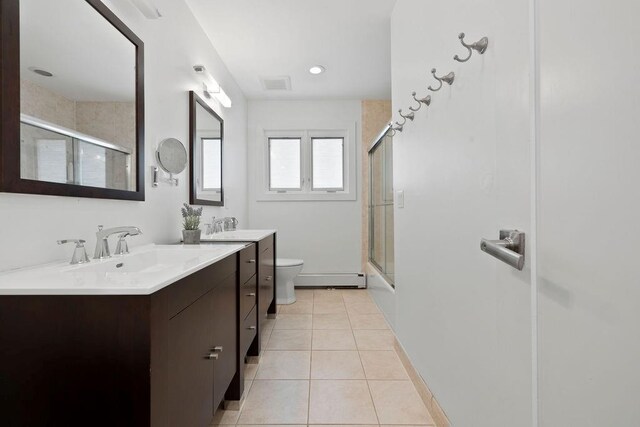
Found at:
<point>248,331</point>
<point>248,293</point>
<point>265,244</point>
<point>266,280</point>
<point>186,291</point>
<point>247,263</point>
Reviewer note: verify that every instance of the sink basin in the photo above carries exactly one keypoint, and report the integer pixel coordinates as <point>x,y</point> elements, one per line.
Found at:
<point>146,262</point>
<point>145,270</point>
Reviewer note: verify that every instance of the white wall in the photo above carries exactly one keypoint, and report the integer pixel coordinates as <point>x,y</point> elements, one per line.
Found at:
<point>325,234</point>
<point>30,224</point>
<point>462,316</point>
<point>383,294</point>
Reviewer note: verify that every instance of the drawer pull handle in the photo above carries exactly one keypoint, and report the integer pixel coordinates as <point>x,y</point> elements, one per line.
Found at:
<point>252,294</point>
<point>212,356</point>
<point>217,349</point>
<point>268,278</point>
<point>251,327</point>
<point>251,261</point>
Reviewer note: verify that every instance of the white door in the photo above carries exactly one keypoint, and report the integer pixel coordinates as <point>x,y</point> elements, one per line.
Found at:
<point>464,166</point>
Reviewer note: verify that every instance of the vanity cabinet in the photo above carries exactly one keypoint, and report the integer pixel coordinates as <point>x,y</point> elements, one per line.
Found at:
<point>246,316</point>
<point>202,355</point>
<point>165,359</point>
<point>256,288</point>
<point>266,277</point>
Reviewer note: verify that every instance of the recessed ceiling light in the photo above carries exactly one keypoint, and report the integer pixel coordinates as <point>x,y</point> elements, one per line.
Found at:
<point>317,69</point>
<point>40,71</point>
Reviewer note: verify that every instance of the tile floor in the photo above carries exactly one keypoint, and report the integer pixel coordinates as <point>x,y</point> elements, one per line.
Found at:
<point>328,359</point>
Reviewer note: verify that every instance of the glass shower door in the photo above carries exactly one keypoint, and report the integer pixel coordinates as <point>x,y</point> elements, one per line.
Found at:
<point>381,253</point>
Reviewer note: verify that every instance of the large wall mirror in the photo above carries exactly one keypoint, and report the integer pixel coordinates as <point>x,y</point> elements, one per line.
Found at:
<point>72,101</point>
<point>206,135</point>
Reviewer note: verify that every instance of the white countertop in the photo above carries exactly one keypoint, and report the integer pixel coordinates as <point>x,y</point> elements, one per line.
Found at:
<point>145,270</point>
<point>237,236</point>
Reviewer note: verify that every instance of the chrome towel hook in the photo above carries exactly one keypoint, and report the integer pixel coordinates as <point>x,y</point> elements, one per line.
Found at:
<point>392,129</point>
<point>404,119</point>
<point>399,127</point>
<point>426,101</point>
<point>409,116</point>
<point>447,78</point>
<point>480,46</point>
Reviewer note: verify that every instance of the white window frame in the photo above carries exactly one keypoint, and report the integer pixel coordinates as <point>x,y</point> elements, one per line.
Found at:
<point>349,192</point>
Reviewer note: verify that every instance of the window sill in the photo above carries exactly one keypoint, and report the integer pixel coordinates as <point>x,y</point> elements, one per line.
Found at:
<point>307,197</point>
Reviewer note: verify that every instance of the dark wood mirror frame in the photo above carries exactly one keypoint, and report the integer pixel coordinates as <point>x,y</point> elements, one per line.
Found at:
<point>10,180</point>
<point>194,100</point>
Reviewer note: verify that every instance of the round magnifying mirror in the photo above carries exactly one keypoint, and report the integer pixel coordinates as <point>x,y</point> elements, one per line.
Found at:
<point>172,156</point>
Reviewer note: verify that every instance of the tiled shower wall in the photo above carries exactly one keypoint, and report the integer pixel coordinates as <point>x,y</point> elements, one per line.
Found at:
<point>110,121</point>
<point>375,115</point>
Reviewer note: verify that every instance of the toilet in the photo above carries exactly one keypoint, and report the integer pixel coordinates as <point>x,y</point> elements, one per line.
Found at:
<point>286,270</point>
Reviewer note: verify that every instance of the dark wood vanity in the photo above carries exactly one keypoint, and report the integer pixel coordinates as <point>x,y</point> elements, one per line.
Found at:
<point>165,359</point>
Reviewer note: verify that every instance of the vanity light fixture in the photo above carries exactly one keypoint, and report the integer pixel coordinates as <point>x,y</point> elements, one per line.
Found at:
<point>211,87</point>
<point>210,84</point>
<point>147,9</point>
<point>317,69</point>
<point>223,98</point>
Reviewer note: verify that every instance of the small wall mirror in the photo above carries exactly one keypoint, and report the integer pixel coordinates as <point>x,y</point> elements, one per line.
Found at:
<point>76,127</point>
<point>206,135</point>
<point>172,158</point>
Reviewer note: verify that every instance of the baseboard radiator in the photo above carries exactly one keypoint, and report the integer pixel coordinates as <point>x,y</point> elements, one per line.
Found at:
<point>334,280</point>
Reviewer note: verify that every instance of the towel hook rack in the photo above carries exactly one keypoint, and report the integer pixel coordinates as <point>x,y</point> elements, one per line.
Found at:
<point>447,78</point>
<point>409,116</point>
<point>426,101</point>
<point>480,46</point>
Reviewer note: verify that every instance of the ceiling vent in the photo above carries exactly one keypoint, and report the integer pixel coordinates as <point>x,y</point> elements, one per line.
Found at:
<point>276,83</point>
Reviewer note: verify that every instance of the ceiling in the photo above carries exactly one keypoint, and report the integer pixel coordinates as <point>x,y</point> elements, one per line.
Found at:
<point>89,58</point>
<point>258,38</point>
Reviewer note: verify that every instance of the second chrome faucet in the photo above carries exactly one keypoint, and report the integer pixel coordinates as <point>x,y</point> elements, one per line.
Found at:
<point>102,242</point>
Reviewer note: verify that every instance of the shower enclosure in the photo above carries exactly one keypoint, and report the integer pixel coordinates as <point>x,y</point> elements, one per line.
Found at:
<point>381,205</point>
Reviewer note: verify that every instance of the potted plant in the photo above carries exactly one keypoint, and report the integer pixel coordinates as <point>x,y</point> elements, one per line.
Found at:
<point>191,223</point>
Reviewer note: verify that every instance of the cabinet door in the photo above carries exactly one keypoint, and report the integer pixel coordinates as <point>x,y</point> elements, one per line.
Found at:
<point>225,324</point>
<point>266,279</point>
<point>190,371</point>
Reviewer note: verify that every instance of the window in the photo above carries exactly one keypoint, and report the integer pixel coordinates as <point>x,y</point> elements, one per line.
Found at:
<point>309,165</point>
<point>52,160</point>
<point>327,163</point>
<point>211,161</point>
<point>285,170</point>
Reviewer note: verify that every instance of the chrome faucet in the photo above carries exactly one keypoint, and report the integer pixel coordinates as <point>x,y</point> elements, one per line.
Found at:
<point>79,253</point>
<point>230,223</point>
<point>216,226</point>
<point>102,242</point>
